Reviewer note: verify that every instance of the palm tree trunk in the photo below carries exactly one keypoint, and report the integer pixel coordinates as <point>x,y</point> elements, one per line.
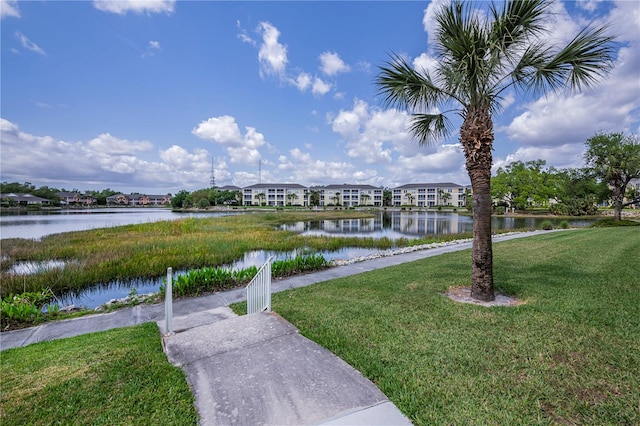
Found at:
<point>476,136</point>
<point>618,199</point>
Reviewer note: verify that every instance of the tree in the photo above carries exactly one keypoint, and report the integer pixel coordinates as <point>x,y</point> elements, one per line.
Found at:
<point>260,196</point>
<point>615,158</point>
<point>577,192</point>
<point>478,56</point>
<point>387,197</point>
<point>523,185</point>
<point>409,196</point>
<point>314,198</point>
<point>444,197</point>
<point>178,199</point>
<point>364,198</point>
<point>291,197</point>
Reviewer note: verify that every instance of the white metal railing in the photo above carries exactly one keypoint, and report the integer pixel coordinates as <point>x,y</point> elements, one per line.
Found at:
<point>168,304</point>
<point>259,290</point>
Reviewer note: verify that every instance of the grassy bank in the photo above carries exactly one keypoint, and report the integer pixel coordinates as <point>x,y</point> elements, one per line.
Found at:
<point>146,250</point>
<point>114,377</point>
<point>569,355</point>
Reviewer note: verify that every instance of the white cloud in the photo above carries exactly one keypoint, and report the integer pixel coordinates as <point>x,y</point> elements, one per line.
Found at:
<point>331,64</point>
<point>372,135</point>
<point>9,8</point>
<point>28,44</point>
<point>561,156</point>
<point>428,19</point>
<point>273,54</point>
<point>320,87</point>
<point>301,167</point>
<point>122,7</point>
<point>152,48</point>
<point>111,145</point>
<point>303,81</point>
<point>426,63</point>
<point>242,149</point>
<point>244,36</point>
<point>105,161</point>
<point>589,5</point>
<point>221,129</point>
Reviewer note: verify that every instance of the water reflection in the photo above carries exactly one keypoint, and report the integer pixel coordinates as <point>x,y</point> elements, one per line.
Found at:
<point>416,224</point>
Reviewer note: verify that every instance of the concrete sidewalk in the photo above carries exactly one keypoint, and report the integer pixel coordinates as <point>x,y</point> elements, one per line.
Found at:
<point>258,370</point>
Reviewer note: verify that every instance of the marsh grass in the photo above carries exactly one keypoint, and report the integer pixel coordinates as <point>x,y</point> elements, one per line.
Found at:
<point>146,250</point>
<point>568,355</point>
<point>119,376</point>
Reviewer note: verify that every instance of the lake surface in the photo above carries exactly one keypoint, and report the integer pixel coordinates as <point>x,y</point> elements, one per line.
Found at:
<point>387,224</point>
<point>35,225</point>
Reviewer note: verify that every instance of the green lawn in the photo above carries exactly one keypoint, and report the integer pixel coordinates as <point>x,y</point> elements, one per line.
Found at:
<point>117,377</point>
<point>569,355</point>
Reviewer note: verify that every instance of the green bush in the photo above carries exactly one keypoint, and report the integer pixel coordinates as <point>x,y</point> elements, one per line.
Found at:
<point>206,280</point>
<point>546,225</point>
<point>564,224</point>
<point>26,308</point>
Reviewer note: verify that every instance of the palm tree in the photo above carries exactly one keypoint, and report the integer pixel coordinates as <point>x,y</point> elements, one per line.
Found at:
<point>364,198</point>
<point>260,196</point>
<point>479,56</point>
<point>409,197</point>
<point>291,197</point>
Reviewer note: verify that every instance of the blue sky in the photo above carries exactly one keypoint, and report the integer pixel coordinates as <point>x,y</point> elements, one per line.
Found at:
<point>143,95</point>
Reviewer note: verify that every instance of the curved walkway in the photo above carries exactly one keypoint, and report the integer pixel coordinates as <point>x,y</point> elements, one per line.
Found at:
<point>255,369</point>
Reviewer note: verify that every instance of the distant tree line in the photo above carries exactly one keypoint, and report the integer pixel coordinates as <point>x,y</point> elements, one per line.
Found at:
<point>612,163</point>
<point>203,198</point>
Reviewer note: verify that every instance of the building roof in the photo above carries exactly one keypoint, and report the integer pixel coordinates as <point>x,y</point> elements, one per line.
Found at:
<point>275,185</point>
<point>28,198</point>
<point>429,185</point>
<point>345,186</point>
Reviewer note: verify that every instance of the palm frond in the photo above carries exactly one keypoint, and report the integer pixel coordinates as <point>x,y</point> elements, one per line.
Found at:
<point>430,128</point>
<point>516,22</point>
<point>402,86</point>
<point>588,57</point>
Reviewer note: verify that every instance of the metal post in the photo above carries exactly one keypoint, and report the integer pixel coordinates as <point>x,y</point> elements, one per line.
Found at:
<point>168,304</point>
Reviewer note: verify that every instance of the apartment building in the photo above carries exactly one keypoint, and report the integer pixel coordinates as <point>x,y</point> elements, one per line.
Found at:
<point>431,195</point>
<point>349,195</point>
<point>275,195</point>
<point>69,198</point>
<point>139,200</point>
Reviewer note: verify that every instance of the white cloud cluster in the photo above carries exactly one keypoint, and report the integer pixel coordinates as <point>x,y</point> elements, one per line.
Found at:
<point>371,135</point>
<point>302,167</point>
<point>104,161</point>
<point>242,149</point>
<point>273,59</point>
<point>122,7</point>
<point>9,8</point>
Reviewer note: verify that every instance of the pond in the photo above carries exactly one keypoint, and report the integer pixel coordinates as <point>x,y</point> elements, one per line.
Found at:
<point>37,224</point>
<point>389,224</point>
